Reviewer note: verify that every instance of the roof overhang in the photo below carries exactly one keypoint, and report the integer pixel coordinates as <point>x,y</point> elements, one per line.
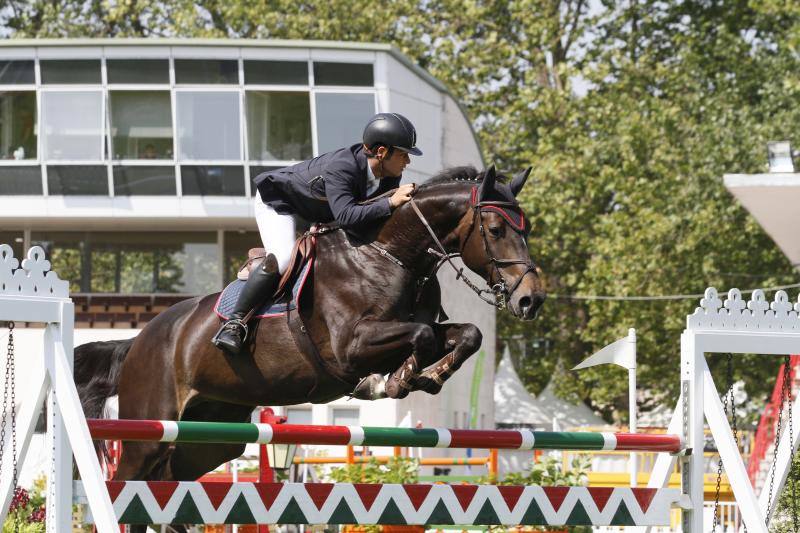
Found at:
<point>770,198</point>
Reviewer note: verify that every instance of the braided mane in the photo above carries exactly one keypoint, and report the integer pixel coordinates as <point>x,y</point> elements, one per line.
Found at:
<point>455,174</point>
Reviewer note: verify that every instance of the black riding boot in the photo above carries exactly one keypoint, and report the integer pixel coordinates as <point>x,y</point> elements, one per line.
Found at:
<point>260,284</point>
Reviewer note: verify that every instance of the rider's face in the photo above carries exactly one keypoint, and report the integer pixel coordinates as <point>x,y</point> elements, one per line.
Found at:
<point>396,163</point>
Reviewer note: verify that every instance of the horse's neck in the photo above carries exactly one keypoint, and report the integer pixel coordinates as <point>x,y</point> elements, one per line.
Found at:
<point>405,236</point>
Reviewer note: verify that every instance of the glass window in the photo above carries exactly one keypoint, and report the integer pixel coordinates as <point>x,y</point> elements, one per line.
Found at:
<point>354,74</point>
<point>237,244</point>
<point>141,124</point>
<point>18,125</point>
<point>137,70</point>
<point>341,119</point>
<point>276,72</point>
<point>77,180</point>
<point>73,125</point>
<point>70,71</point>
<point>134,262</point>
<point>16,240</point>
<point>146,181</point>
<point>279,126</point>
<point>255,171</point>
<point>212,180</point>
<point>345,416</point>
<point>297,415</point>
<point>20,180</point>
<point>16,72</point>
<point>207,71</point>
<point>208,125</point>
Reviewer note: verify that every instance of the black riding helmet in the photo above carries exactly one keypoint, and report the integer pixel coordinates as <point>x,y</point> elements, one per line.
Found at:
<point>392,130</point>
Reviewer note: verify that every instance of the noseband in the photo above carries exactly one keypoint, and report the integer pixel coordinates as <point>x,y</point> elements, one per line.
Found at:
<point>501,291</point>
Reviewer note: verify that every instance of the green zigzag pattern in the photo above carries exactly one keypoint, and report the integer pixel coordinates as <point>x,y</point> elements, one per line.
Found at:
<point>293,507</point>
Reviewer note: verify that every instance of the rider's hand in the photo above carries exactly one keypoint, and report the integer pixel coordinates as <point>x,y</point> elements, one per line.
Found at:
<point>402,195</point>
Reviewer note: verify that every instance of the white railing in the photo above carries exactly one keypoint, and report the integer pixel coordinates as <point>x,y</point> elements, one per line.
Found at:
<point>729,521</point>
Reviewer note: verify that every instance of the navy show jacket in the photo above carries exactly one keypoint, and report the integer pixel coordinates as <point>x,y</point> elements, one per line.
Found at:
<point>327,188</point>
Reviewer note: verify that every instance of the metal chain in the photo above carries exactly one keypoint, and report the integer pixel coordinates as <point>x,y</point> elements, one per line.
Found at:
<point>728,396</point>
<point>792,470</point>
<point>9,393</point>
<point>778,428</point>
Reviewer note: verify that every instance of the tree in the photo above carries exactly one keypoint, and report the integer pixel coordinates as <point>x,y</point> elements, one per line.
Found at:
<point>630,113</point>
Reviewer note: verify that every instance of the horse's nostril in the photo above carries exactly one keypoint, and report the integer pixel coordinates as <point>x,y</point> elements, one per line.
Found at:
<point>524,304</point>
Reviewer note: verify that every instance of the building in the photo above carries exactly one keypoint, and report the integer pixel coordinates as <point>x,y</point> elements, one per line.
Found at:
<point>130,162</point>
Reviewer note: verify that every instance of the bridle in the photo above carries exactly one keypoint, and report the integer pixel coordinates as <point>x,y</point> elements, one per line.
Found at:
<point>501,291</point>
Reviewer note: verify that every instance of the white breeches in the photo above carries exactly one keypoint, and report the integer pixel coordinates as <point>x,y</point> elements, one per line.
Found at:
<point>277,232</point>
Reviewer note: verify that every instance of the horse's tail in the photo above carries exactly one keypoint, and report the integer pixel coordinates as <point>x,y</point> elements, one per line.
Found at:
<point>97,371</point>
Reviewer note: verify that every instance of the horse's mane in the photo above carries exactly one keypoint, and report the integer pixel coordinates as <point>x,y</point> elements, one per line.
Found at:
<point>456,174</point>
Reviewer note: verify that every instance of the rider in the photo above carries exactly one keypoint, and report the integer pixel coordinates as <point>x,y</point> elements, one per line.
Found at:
<point>323,189</point>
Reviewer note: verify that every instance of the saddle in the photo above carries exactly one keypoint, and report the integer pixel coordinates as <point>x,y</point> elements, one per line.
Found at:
<point>291,284</point>
<point>302,252</point>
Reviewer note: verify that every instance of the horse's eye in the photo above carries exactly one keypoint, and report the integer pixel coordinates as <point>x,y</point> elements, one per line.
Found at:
<point>495,231</point>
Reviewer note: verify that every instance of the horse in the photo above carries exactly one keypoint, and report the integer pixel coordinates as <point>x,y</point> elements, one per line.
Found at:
<point>370,309</point>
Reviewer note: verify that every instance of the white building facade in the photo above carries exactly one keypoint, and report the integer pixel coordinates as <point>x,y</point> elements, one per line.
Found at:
<point>130,162</point>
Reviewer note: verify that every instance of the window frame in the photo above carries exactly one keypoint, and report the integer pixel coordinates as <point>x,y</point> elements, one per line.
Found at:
<point>170,53</point>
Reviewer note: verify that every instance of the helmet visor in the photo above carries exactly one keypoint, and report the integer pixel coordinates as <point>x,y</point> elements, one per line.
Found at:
<point>413,150</point>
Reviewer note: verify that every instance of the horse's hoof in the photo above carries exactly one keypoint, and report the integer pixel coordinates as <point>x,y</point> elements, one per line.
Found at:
<point>372,387</point>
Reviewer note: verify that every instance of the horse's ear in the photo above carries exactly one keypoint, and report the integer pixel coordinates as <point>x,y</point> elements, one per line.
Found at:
<point>487,185</point>
<point>519,180</point>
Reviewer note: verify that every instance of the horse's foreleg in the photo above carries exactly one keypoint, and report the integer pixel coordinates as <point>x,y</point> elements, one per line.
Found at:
<point>457,342</point>
<point>381,344</point>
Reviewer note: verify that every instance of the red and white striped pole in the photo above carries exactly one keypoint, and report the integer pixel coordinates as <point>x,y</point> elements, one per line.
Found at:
<point>266,474</point>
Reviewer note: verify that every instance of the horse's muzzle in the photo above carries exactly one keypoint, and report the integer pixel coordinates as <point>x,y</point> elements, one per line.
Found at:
<point>526,306</point>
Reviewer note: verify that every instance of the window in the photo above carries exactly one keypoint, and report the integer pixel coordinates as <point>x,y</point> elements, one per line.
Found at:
<point>146,181</point>
<point>73,71</point>
<point>16,240</point>
<point>16,72</point>
<point>297,415</point>
<point>77,180</point>
<point>207,71</point>
<point>134,262</point>
<point>20,180</point>
<point>279,126</point>
<point>345,416</point>
<point>276,72</point>
<point>212,181</point>
<point>141,124</point>
<point>355,74</point>
<point>72,122</point>
<point>237,244</point>
<point>208,125</point>
<point>341,118</point>
<point>18,125</point>
<point>137,70</point>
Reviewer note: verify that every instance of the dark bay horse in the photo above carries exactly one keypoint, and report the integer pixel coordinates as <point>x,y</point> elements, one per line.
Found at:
<point>362,310</point>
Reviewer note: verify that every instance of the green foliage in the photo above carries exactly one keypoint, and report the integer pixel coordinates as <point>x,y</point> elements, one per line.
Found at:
<point>549,471</point>
<point>27,510</point>
<point>630,113</point>
<point>401,470</point>
<point>788,504</point>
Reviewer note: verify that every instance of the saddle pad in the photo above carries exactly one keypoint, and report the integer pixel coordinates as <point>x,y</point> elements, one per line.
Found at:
<point>227,298</point>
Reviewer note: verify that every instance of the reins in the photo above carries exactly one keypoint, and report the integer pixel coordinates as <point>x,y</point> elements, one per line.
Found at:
<point>501,291</point>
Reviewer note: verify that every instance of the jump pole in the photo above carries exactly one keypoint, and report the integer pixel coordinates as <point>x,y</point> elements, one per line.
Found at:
<point>222,432</point>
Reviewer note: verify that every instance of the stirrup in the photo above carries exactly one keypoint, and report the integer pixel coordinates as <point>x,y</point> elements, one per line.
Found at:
<point>231,324</point>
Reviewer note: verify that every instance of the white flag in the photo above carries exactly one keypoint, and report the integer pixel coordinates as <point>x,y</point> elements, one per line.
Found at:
<point>621,352</point>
